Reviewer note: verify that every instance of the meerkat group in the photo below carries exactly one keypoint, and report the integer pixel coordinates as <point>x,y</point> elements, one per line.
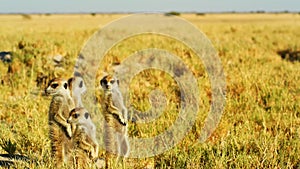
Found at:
<point>67,133</point>
<point>72,131</point>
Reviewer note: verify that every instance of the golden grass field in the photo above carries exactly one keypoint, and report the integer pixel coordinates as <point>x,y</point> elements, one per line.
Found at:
<point>260,125</point>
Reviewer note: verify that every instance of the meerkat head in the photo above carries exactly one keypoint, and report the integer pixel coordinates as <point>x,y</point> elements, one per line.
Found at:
<point>109,82</point>
<point>77,85</point>
<point>78,115</point>
<point>57,86</point>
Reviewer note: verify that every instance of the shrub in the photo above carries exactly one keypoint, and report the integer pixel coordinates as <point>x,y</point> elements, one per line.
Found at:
<point>26,16</point>
<point>8,146</point>
<point>172,13</point>
<point>200,14</point>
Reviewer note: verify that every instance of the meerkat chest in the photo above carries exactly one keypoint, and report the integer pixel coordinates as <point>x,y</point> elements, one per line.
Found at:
<point>117,100</point>
<point>60,104</point>
<point>82,133</point>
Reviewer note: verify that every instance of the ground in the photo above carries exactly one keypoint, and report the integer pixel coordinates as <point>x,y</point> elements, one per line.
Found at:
<point>260,125</point>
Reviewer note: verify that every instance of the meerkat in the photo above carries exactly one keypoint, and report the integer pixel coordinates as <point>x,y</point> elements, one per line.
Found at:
<point>84,137</point>
<point>78,88</point>
<point>60,131</point>
<point>115,115</point>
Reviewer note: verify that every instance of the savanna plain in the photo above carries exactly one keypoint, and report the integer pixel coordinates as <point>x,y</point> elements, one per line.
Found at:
<point>260,124</point>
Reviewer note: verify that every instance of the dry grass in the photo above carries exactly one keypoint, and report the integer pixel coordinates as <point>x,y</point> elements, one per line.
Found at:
<point>260,127</point>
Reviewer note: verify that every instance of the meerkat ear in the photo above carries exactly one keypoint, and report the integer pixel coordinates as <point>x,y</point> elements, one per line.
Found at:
<point>65,85</point>
<point>86,115</point>
<point>72,111</point>
<point>70,81</point>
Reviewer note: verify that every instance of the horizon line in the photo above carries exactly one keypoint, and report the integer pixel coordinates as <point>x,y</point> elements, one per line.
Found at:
<point>136,12</point>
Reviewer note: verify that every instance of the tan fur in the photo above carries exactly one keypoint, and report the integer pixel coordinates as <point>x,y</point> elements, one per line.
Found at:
<point>115,125</point>
<point>84,138</point>
<point>60,130</point>
<point>77,88</point>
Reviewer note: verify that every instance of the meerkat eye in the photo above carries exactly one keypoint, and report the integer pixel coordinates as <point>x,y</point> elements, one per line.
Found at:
<point>54,85</point>
<point>86,115</point>
<point>81,84</point>
<point>76,116</point>
<point>112,81</point>
<point>65,85</point>
<point>103,82</point>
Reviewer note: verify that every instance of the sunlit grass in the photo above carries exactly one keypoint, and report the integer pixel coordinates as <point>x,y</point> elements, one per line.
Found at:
<point>260,126</point>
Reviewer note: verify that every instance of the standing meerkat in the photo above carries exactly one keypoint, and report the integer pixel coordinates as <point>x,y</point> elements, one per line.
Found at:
<point>77,88</point>
<point>115,115</point>
<point>84,137</point>
<point>60,130</point>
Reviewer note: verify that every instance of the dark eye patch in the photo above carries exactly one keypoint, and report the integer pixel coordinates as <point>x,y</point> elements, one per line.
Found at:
<point>54,86</point>
<point>103,81</point>
<point>65,85</point>
<point>86,115</point>
<point>81,84</point>
<point>76,115</point>
<point>112,81</point>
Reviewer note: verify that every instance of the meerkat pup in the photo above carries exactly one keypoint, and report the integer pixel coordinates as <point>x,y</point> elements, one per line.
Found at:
<point>78,88</point>
<point>60,130</point>
<point>84,137</point>
<point>115,115</point>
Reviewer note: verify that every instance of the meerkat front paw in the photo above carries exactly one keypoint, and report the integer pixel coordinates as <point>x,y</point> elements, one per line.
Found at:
<point>122,121</point>
<point>94,154</point>
<point>69,130</point>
